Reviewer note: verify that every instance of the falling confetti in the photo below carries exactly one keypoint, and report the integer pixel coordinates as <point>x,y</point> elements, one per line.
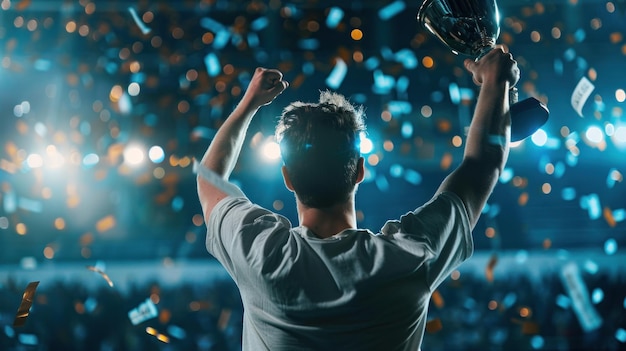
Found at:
<point>101,272</point>
<point>27,301</point>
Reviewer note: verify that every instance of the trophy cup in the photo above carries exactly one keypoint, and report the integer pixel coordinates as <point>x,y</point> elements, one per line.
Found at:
<point>471,27</point>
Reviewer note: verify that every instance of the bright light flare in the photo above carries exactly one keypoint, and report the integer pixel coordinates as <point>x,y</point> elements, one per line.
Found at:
<point>366,144</point>
<point>34,161</point>
<point>270,151</point>
<point>594,134</point>
<point>133,155</point>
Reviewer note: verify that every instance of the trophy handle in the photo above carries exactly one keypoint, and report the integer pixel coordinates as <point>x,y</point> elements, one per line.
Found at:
<point>527,116</point>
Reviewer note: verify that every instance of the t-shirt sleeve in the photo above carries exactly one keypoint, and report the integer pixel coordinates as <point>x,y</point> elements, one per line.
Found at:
<point>240,233</point>
<point>439,231</point>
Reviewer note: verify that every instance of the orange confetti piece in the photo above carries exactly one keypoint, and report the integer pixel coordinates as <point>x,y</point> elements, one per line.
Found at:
<point>437,299</point>
<point>547,243</point>
<point>23,5</point>
<point>105,224</point>
<point>223,319</point>
<point>530,328</point>
<point>608,217</point>
<point>490,266</point>
<point>433,326</point>
<point>446,161</point>
<point>27,301</point>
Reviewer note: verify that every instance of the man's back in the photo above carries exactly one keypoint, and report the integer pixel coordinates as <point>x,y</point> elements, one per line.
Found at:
<point>355,290</point>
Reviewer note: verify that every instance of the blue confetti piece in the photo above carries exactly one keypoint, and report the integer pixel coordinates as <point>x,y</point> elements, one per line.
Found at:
<point>494,210</point>
<point>537,342</point>
<point>30,205</point>
<point>597,295</point>
<point>509,300</point>
<point>382,83</point>
<point>580,35</point>
<point>253,40</point>
<point>563,301</point>
<point>559,169</point>
<point>521,256</point>
<point>110,67</point>
<point>506,175</point>
<point>455,93</point>
<point>581,63</point>
<point>610,178</point>
<point>619,214</point>
<point>407,129</point>
<point>382,184</point>
<point>466,94</point>
<point>142,26</point>
<point>610,246</point>
<point>558,66</point>
<point>138,77</point>
<point>562,254</point>
<point>436,96</point>
<point>212,64</point>
<point>371,63</point>
<point>177,332</point>
<point>237,39</point>
<point>552,143</point>
<point>42,65</point>
<point>571,159</point>
<point>337,75</point>
<point>124,104</point>
<point>85,128</point>
<point>309,44</point>
<point>203,132</point>
<point>308,68</point>
<point>396,170</point>
<point>391,10</point>
<point>387,54</point>
<point>544,160</point>
<point>407,58</point>
<point>212,25</point>
<point>402,84</point>
<point>469,303</point>
<point>591,267</point>
<point>259,23</point>
<point>261,56</point>
<point>620,333</point>
<point>569,55</point>
<point>412,176</point>
<point>359,98</point>
<point>177,203</point>
<point>399,107</point>
<point>221,39</point>
<point>591,203</point>
<point>485,208</point>
<point>335,15</point>
<point>90,304</point>
<point>90,160</point>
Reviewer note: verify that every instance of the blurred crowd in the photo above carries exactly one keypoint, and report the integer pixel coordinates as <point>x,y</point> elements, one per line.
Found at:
<point>468,312</point>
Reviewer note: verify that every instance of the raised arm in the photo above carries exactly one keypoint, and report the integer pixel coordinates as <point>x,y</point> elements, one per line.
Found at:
<point>223,152</point>
<point>487,145</point>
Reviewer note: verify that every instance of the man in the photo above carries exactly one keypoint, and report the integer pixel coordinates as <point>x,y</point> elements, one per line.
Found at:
<point>326,285</point>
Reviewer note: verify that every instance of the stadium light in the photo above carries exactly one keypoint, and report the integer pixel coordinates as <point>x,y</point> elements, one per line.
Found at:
<point>270,151</point>
<point>133,155</point>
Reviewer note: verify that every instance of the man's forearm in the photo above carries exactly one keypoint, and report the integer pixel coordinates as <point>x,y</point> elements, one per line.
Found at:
<point>224,150</point>
<point>489,133</point>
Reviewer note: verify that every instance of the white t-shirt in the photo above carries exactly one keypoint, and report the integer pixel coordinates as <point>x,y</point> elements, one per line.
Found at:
<point>354,291</point>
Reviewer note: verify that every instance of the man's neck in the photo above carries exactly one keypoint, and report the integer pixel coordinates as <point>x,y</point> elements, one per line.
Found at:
<point>326,222</point>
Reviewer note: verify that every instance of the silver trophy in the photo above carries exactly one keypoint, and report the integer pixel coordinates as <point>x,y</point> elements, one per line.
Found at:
<point>471,27</point>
